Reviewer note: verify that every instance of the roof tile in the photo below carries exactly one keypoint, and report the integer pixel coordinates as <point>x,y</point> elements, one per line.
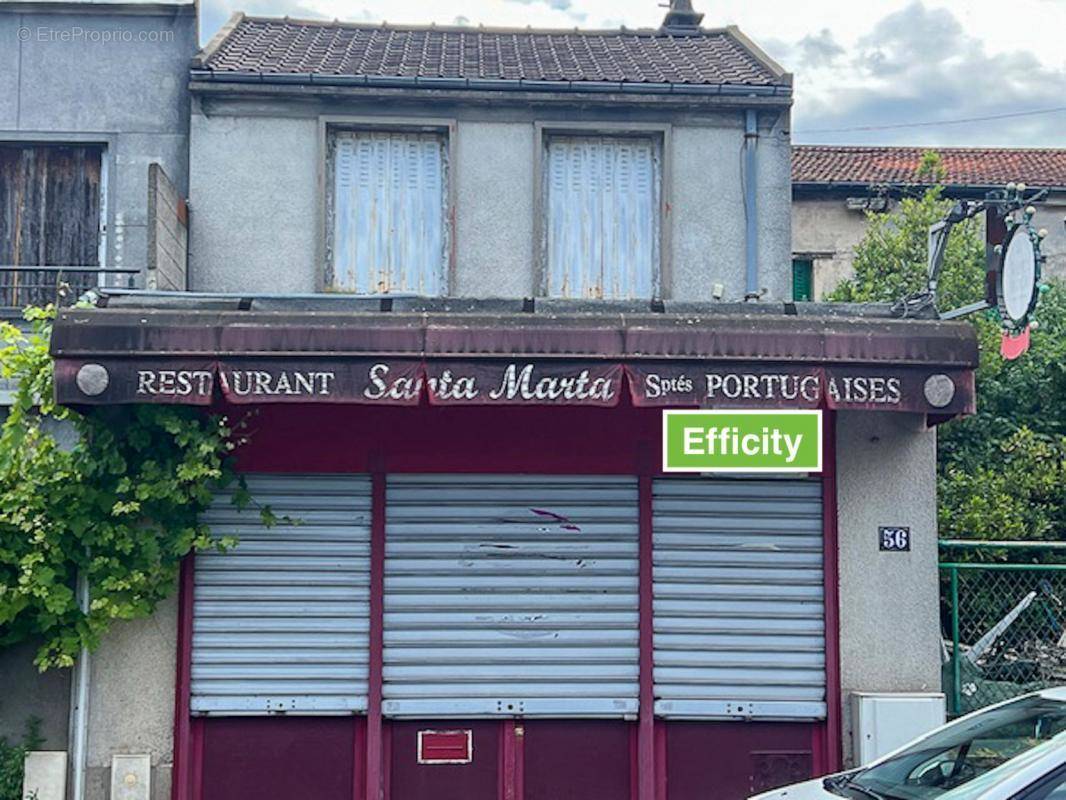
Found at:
<point>963,166</point>
<point>706,58</point>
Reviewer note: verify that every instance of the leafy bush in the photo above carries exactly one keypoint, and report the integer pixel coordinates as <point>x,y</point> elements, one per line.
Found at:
<point>1002,470</point>
<point>113,495</point>
<point>13,759</point>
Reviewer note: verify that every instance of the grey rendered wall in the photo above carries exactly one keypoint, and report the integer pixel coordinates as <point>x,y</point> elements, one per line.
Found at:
<point>889,602</point>
<point>255,197</point>
<point>26,692</point>
<point>827,230</point>
<point>111,75</point>
<point>253,204</point>
<point>131,702</point>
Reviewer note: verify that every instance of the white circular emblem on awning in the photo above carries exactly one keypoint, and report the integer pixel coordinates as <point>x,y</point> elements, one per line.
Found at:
<point>92,379</point>
<point>939,390</point>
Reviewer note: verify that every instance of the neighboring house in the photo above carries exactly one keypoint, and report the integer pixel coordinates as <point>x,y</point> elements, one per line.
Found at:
<point>457,273</point>
<point>94,115</point>
<point>834,186</point>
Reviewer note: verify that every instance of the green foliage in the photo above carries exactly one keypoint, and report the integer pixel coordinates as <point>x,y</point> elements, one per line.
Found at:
<point>13,759</point>
<point>891,262</point>
<point>113,496</point>
<point>1001,471</point>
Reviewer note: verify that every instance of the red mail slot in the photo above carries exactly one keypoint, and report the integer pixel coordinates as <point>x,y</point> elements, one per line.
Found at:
<point>445,747</point>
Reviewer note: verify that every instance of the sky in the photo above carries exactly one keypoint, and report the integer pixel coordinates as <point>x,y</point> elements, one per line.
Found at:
<point>922,72</point>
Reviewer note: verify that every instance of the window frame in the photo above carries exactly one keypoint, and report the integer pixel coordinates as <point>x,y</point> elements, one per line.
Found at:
<point>107,145</point>
<point>327,125</point>
<point>662,134</point>
<point>808,263</point>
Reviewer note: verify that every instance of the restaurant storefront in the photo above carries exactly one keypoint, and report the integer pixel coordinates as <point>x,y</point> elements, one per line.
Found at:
<point>482,583</point>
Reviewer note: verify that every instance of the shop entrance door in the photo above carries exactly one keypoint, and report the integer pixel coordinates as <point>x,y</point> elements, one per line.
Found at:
<point>511,622</point>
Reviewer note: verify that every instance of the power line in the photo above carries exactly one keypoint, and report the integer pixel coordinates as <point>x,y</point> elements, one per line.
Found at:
<point>964,121</point>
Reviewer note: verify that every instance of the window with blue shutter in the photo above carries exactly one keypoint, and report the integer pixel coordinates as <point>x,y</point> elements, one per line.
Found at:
<point>602,223</point>
<point>386,213</point>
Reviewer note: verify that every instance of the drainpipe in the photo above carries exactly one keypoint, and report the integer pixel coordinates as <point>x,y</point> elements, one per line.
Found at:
<point>751,233</point>
<point>79,708</point>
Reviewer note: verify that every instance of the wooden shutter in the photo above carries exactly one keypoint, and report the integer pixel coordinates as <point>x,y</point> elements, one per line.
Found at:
<point>602,217</point>
<point>50,201</point>
<point>387,209</point>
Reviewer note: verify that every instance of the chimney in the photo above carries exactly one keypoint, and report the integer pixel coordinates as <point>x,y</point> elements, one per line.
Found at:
<point>681,19</point>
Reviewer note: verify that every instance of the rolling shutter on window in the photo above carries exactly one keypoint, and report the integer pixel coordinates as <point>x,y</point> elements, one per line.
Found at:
<point>602,226</point>
<point>280,622</point>
<point>739,610</point>
<point>387,207</point>
<point>511,595</point>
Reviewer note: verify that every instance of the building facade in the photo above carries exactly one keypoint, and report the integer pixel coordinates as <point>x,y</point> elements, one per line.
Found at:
<point>834,187</point>
<point>94,125</point>
<point>456,275</point>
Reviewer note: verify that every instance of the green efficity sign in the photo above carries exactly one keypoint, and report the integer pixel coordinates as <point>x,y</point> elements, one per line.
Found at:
<point>742,441</point>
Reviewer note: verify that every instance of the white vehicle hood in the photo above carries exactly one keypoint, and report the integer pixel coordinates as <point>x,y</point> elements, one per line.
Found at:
<point>810,790</point>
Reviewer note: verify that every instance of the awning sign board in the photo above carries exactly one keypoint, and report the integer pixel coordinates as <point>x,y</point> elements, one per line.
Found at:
<point>742,441</point>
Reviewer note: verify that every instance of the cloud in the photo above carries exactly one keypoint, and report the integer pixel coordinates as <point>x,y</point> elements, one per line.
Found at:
<point>819,49</point>
<point>919,65</point>
<point>558,5</point>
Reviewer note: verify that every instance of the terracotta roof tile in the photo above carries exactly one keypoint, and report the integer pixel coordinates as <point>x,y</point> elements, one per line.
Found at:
<point>979,167</point>
<point>706,58</point>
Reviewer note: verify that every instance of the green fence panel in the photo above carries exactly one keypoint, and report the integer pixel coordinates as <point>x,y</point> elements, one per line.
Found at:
<point>1006,631</point>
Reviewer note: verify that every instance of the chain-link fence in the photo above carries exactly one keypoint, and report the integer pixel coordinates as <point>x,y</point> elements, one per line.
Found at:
<point>1005,626</point>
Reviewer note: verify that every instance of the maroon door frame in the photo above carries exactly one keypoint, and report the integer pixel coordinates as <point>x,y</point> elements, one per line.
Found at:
<point>649,742</point>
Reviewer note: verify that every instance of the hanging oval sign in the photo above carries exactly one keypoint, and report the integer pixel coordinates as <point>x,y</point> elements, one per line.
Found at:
<point>1017,285</point>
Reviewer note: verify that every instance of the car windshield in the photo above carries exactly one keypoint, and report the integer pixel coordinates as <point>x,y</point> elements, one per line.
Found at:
<point>960,753</point>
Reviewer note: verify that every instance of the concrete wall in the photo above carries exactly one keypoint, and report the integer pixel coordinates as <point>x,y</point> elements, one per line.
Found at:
<point>131,701</point>
<point>828,231</point>
<point>889,602</point>
<point>26,692</point>
<point>168,234</point>
<point>116,75</point>
<point>255,193</point>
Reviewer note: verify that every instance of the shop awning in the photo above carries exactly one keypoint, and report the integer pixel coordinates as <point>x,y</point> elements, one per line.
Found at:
<point>137,355</point>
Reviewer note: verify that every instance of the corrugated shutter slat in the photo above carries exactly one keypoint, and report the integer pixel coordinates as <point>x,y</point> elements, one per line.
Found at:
<point>739,599</point>
<point>280,622</point>
<point>510,595</point>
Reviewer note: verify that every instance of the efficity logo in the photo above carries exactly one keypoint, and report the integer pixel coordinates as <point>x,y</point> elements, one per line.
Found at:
<point>742,441</point>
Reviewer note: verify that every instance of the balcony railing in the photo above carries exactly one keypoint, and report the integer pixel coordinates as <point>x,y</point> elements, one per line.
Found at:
<point>22,286</point>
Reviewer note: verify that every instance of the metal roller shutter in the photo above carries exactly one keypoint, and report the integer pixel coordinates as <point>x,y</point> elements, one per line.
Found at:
<point>280,622</point>
<point>511,595</point>
<point>739,609</point>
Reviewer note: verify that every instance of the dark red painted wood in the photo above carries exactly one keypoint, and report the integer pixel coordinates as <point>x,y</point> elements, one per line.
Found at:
<point>374,759</point>
<point>722,760</point>
<point>279,758</point>
<point>831,752</point>
<point>508,761</point>
<point>300,438</point>
<point>197,779</point>
<point>478,780</point>
<point>646,736</point>
<point>661,764</point>
<point>183,762</point>
<point>577,759</point>
<point>359,747</point>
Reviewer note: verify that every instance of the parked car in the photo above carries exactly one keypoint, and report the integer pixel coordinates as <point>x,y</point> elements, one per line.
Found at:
<point>1015,750</point>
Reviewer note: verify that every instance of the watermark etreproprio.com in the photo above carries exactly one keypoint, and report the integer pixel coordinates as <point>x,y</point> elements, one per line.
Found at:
<point>77,34</point>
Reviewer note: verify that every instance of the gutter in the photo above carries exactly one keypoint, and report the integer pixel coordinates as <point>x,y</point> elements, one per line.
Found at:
<point>480,84</point>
